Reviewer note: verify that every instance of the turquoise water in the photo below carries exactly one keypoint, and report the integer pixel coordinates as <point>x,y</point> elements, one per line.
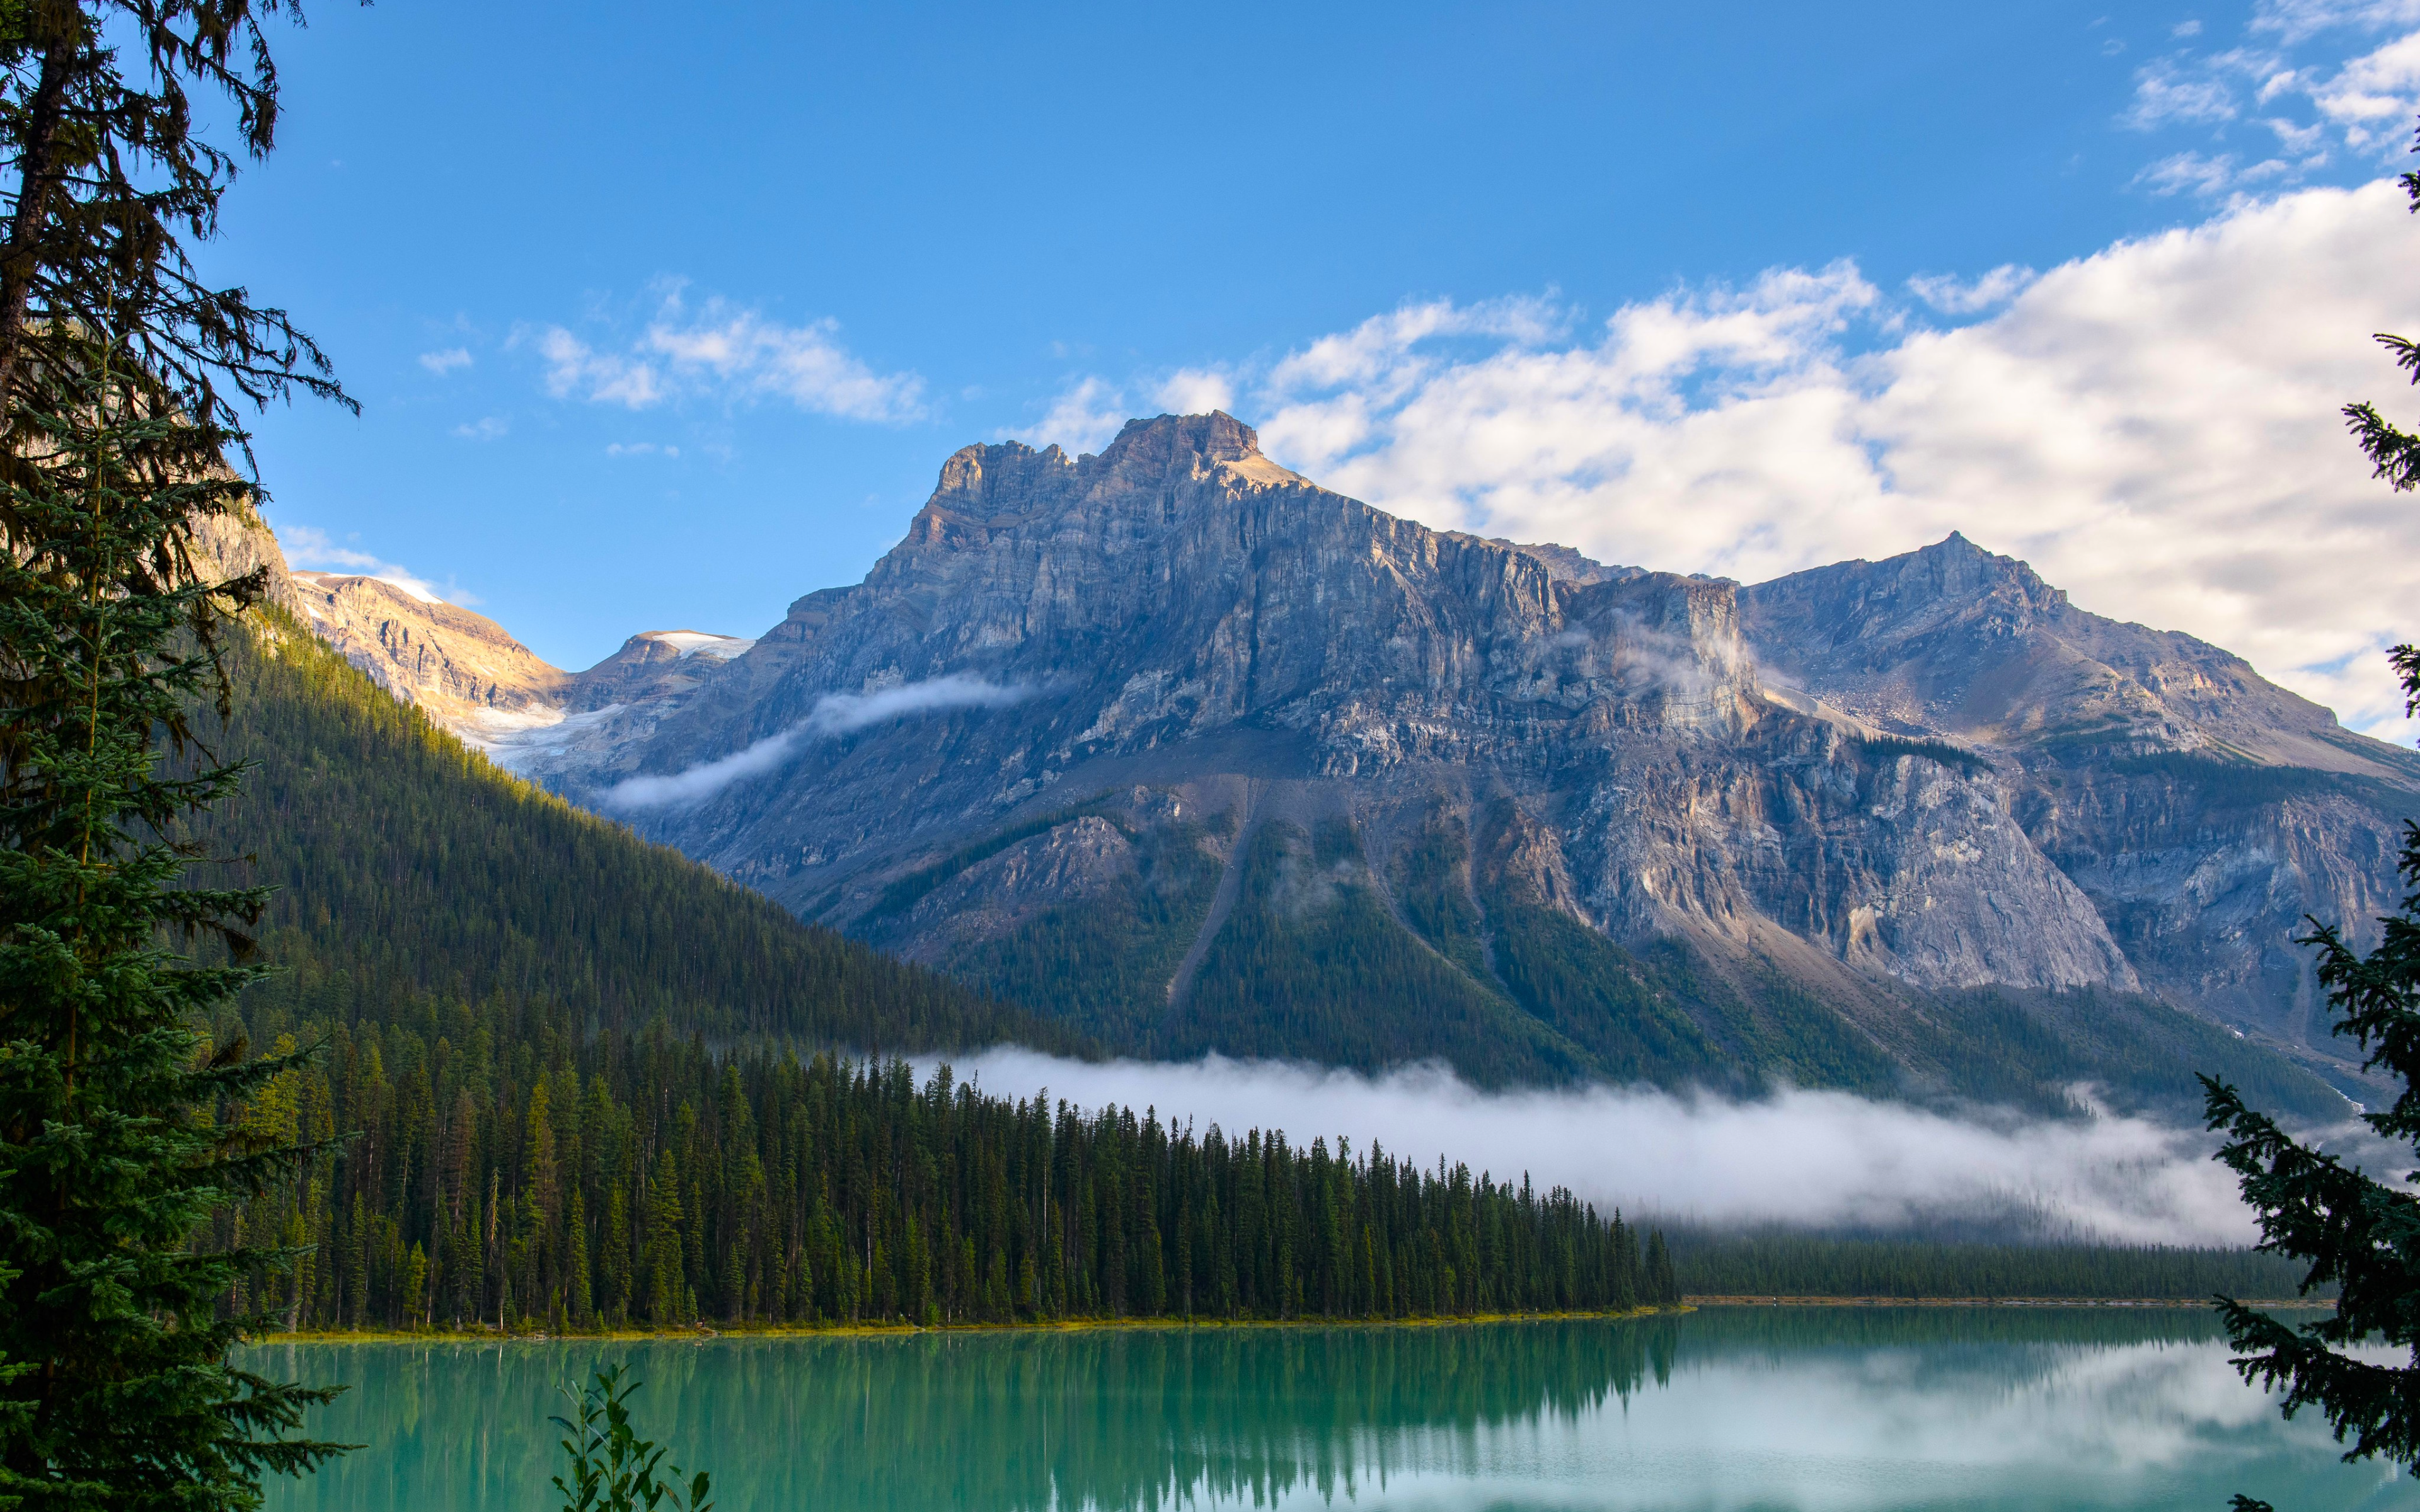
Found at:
<point>1765,1408</point>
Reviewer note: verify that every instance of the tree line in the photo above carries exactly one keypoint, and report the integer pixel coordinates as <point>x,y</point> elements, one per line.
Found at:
<point>510,1168</point>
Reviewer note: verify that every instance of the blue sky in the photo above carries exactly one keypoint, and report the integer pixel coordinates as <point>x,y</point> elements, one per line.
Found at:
<point>664,318</point>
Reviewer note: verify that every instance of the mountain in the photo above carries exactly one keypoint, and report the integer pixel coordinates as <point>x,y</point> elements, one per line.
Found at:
<point>1178,749</point>
<point>414,879</point>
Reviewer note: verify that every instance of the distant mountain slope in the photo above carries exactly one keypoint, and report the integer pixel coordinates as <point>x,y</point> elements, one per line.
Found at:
<point>1180,748</point>
<point>408,869</point>
<point>2204,810</point>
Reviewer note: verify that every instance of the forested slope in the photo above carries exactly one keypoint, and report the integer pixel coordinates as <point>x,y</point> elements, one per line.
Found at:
<point>406,867</point>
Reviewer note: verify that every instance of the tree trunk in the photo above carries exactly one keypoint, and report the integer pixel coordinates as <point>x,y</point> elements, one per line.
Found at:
<point>38,175</point>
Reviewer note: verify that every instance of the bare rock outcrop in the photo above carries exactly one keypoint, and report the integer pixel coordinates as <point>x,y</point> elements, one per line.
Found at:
<point>462,667</point>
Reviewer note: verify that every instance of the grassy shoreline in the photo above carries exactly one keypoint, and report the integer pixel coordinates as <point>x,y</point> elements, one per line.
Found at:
<point>699,1332</point>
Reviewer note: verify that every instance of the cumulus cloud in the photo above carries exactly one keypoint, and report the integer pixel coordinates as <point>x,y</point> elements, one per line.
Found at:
<point>1799,1158</point>
<point>314,550</point>
<point>725,351</point>
<point>445,361</point>
<point>1195,391</point>
<point>1391,349</point>
<point>834,714</point>
<point>2154,427</point>
<point>1082,418</point>
<point>2373,98</point>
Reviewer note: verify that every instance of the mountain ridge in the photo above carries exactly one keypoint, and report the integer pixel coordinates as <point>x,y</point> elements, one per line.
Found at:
<point>1157,704</point>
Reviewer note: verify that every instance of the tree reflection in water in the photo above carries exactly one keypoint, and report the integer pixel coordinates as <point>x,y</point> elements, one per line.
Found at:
<point>1159,1418</point>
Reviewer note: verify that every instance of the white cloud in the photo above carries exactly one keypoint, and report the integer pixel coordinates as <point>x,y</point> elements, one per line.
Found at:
<point>2154,427</point>
<point>312,550</point>
<point>1950,295</point>
<point>724,352</point>
<point>490,428</point>
<point>2185,28</point>
<point>2207,177</point>
<point>834,714</point>
<point>445,361</point>
<point>2318,70</point>
<point>1081,419</point>
<point>2374,96</point>
<point>1811,1159</point>
<point>1194,391</point>
<point>640,448</point>
<point>2295,21</point>
<point>2180,90</point>
<point>574,370</point>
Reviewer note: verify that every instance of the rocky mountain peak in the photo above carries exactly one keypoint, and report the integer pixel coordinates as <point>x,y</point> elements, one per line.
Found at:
<point>977,479</point>
<point>1923,774</point>
<point>1179,445</point>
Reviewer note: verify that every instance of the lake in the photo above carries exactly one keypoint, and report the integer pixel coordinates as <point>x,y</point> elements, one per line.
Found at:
<point>1725,1407</point>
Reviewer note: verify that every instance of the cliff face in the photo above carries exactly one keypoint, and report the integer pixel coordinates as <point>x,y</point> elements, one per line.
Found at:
<point>460,667</point>
<point>2204,811</point>
<point>1157,737</point>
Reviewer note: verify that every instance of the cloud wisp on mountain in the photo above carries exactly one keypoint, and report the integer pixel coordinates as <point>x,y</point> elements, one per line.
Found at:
<point>1797,1158</point>
<point>834,714</point>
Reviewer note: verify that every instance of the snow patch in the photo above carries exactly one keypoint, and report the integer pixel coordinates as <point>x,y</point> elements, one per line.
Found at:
<point>700,642</point>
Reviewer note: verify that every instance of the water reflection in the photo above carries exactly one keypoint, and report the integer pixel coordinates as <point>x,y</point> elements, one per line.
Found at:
<point>1781,1408</point>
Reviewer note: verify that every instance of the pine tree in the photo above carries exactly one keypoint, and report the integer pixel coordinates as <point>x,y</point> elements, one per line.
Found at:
<point>2354,1231</point>
<point>116,1138</point>
<point>122,1130</point>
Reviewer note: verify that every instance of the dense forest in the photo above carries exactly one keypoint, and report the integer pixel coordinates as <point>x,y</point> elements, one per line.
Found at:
<point>406,865</point>
<point>511,1169</point>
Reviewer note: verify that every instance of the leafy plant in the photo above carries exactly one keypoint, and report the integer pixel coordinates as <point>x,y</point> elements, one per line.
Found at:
<point>613,1469</point>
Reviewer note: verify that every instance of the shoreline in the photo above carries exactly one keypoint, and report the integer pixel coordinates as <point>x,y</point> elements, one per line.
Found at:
<point>701,1332</point>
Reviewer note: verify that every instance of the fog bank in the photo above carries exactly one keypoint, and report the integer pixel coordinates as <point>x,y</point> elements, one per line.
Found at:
<point>1800,1158</point>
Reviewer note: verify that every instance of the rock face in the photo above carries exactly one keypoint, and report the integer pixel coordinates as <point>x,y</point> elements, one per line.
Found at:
<point>1097,725</point>
<point>2205,811</point>
<point>459,666</point>
<point>465,671</point>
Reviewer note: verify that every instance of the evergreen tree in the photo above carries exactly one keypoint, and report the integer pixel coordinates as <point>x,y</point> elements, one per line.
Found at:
<point>2354,1231</point>
<point>116,1142</point>
<point>122,1128</point>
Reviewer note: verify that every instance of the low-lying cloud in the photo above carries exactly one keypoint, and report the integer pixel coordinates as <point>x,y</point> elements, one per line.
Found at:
<point>834,714</point>
<point>837,713</point>
<point>1798,1158</point>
